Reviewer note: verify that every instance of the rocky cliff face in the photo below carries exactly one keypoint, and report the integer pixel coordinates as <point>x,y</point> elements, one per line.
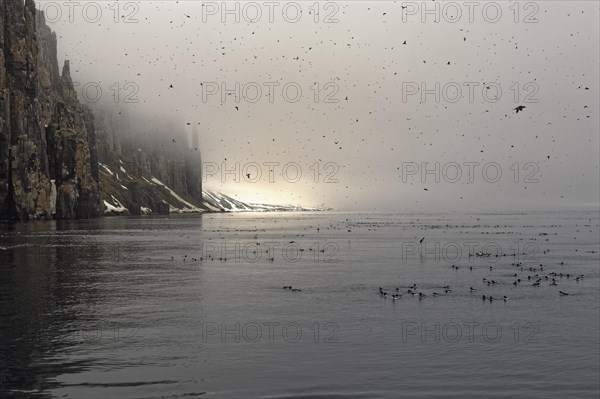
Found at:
<point>57,159</point>
<point>48,157</point>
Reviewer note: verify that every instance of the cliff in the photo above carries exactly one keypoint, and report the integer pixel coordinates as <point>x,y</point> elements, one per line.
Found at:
<point>57,160</point>
<point>48,159</point>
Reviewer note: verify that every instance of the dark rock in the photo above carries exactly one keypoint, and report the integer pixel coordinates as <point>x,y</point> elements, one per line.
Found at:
<point>161,208</point>
<point>45,133</point>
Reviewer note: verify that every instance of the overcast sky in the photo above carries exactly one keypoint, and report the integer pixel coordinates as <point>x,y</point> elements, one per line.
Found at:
<point>370,132</point>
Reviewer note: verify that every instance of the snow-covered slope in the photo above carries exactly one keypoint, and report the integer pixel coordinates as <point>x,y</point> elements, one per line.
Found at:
<point>219,202</point>
<point>124,193</point>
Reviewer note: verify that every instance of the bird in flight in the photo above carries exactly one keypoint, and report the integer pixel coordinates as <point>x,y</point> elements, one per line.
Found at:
<point>520,108</point>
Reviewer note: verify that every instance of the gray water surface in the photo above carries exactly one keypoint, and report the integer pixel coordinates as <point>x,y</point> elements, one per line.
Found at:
<point>193,306</point>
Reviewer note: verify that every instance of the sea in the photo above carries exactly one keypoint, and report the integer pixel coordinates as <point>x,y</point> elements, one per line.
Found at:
<point>302,305</point>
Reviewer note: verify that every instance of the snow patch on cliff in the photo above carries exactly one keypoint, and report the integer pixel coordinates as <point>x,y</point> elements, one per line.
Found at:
<point>188,207</point>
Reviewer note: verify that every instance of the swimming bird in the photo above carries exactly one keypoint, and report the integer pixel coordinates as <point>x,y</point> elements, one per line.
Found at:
<point>563,293</point>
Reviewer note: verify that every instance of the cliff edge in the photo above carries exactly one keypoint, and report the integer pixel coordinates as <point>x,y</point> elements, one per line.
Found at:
<point>48,157</point>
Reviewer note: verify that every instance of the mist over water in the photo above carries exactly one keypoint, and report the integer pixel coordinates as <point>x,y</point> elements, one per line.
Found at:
<point>358,105</point>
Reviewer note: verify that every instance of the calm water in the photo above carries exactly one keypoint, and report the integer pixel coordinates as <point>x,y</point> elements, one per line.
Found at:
<point>144,307</point>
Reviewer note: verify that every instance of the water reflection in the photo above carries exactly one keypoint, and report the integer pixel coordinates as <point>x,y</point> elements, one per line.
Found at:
<point>30,299</point>
<point>50,286</point>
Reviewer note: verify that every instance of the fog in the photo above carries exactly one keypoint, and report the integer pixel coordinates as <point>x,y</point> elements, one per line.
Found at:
<point>372,130</point>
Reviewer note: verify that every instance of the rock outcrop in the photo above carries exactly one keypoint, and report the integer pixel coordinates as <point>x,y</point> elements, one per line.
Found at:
<point>48,157</point>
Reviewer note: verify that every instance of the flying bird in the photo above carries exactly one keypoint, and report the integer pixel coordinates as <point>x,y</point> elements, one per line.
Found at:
<point>519,108</point>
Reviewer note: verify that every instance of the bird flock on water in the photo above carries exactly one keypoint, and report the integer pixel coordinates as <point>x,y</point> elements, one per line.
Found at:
<point>535,278</point>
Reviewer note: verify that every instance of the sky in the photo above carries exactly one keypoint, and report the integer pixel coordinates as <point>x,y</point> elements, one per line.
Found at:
<point>359,105</point>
